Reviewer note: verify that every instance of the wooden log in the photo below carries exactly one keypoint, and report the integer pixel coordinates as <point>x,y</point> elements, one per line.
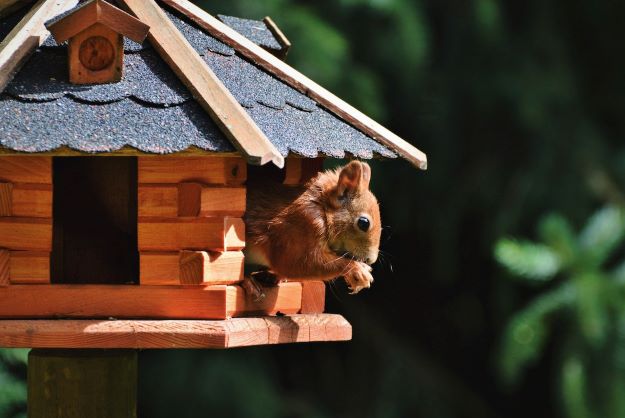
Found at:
<point>232,119</point>
<point>116,301</point>
<point>208,170</point>
<point>144,334</point>
<point>191,199</point>
<point>6,191</point>
<point>158,200</point>
<point>14,169</point>
<point>209,268</point>
<point>5,272</point>
<point>32,200</point>
<point>82,383</point>
<point>285,298</point>
<point>30,267</point>
<point>222,201</point>
<point>297,80</point>
<point>26,233</point>
<point>163,268</point>
<point>159,268</point>
<point>28,35</point>
<point>313,297</point>
<point>168,234</point>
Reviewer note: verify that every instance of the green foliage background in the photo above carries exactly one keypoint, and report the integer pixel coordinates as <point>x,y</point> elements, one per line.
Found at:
<point>519,106</point>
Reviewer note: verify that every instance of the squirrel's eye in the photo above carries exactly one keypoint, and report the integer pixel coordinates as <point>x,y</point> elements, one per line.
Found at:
<point>363,224</point>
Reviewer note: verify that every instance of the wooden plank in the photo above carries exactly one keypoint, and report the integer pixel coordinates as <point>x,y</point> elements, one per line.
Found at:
<point>285,298</point>
<point>77,384</point>
<point>222,201</point>
<point>163,268</point>
<point>31,169</point>
<point>30,267</point>
<point>210,268</point>
<point>209,170</point>
<point>5,272</point>
<point>6,190</point>
<point>158,200</point>
<point>32,200</point>
<point>26,233</point>
<point>297,80</point>
<point>145,334</point>
<point>280,37</point>
<point>117,301</point>
<point>300,170</point>
<point>159,268</point>
<point>189,199</point>
<point>313,296</point>
<point>28,35</point>
<point>167,234</point>
<point>232,119</point>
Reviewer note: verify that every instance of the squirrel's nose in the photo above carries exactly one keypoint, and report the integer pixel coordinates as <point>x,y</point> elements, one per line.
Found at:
<point>373,257</point>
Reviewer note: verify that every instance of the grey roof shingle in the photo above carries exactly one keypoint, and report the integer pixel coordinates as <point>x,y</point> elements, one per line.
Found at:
<point>254,30</point>
<point>152,111</point>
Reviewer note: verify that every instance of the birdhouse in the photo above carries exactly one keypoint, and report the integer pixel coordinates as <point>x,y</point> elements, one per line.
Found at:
<point>94,32</point>
<point>126,200</point>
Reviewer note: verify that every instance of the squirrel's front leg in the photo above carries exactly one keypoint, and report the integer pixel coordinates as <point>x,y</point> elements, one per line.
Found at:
<point>358,276</point>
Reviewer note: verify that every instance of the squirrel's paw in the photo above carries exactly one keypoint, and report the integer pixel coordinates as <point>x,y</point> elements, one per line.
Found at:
<point>359,278</point>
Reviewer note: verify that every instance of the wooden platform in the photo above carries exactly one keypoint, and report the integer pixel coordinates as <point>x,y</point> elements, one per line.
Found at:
<point>236,332</point>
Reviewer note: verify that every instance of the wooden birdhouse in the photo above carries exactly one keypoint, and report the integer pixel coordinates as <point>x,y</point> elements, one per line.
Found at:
<point>126,200</point>
<point>94,32</point>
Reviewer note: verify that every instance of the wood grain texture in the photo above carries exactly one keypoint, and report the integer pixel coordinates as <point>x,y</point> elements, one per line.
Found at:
<point>5,273</point>
<point>280,37</point>
<point>297,80</point>
<point>32,200</point>
<point>159,268</point>
<point>6,198</point>
<point>167,234</point>
<point>30,267</point>
<point>83,47</point>
<point>116,301</point>
<point>163,268</point>
<point>209,170</point>
<point>209,268</point>
<point>22,169</point>
<point>285,298</point>
<point>222,201</point>
<point>168,334</point>
<point>26,233</point>
<point>313,297</point>
<point>27,35</point>
<point>159,200</point>
<point>232,119</point>
<point>189,199</point>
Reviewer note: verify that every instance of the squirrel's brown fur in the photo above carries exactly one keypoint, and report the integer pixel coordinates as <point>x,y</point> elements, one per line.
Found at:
<point>311,232</point>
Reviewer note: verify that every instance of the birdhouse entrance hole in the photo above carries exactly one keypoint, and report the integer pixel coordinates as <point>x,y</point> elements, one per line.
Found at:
<point>94,220</point>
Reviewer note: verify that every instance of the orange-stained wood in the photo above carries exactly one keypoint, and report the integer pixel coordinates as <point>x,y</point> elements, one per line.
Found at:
<point>201,267</point>
<point>313,297</point>
<point>144,334</point>
<point>30,267</point>
<point>167,234</point>
<point>18,169</point>
<point>26,233</point>
<point>159,268</point>
<point>32,200</point>
<point>300,170</point>
<point>209,170</point>
<point>189,199</point>
<point>158,200</point>
<point>4,267</point>
<point>285,298</point>
<point>117,301</point>
<point>96,56</point>
<point>6,191</point>
<point>222,201</point>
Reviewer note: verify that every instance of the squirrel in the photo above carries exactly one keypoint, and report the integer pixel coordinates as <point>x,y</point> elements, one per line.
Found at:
<point>324,229</point>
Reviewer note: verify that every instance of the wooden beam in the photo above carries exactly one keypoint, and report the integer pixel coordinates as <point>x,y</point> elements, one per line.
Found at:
<point>207,89</point>
<point>211,268</point>
<point>5,272</point>
<point>170,234</point>
<point>144,334</point>
<point>313,296</point>
<point>32,200</point>
<point>29,33</point>
<point>280,37</point>
<point>195,199</point>
<point>284,298</point>
<point>26,233</point>
<point>29,267</point>
<point>208,170</point>
<point>26,169</point>
<point>6,192</point>
<point>297,80</point>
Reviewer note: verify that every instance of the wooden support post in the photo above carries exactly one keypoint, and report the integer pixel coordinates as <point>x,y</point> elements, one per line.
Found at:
<point>82,383</point>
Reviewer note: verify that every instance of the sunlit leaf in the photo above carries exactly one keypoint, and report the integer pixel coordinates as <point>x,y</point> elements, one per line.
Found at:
<point>602,234</point>
<point>527,259</point>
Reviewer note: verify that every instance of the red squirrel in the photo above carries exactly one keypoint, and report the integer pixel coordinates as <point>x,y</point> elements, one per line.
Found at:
<point>327,228</point>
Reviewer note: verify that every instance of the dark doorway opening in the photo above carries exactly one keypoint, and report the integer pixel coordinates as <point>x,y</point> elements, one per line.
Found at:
<point>95,220</point>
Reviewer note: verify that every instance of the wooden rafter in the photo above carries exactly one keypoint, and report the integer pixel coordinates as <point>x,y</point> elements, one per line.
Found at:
<point>298,81</point>
<point>207,89</point>
<point>29,33</point>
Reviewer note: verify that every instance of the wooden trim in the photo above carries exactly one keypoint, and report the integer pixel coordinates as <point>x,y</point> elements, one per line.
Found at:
<point>232,119</point>
<point>144,334</point>
<point>297,80</point>
<point>28,35</point>
<point>279,35</point>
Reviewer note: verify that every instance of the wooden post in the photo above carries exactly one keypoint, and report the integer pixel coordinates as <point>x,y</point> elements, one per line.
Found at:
<point>82,383</point>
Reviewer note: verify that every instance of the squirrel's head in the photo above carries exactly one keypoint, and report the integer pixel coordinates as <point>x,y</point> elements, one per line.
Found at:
<point>352,212</point>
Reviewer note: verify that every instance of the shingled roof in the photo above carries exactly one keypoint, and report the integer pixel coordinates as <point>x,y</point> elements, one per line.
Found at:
<point>150,110</point>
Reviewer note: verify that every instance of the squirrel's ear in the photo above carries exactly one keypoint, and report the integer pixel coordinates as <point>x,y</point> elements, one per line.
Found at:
<point>354,177</point>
